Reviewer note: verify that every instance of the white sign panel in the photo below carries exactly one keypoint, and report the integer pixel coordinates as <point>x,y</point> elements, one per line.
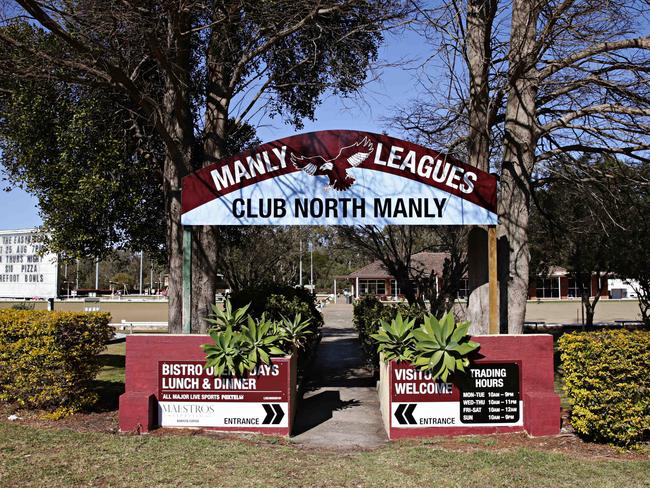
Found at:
<point>507,412</point>
<point>24,272</point>
<point>231,415</point>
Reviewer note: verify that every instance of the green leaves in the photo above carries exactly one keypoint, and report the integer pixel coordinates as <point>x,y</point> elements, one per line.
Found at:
<point>260,340</point>
<point>295,333</point>
<point>223,319</point>
<point>241,342</point>
<point>225,354</point>
<point>440,346</point>
<point>396,339</point>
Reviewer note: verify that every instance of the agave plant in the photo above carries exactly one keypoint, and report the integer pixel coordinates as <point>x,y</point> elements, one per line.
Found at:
<point>396,339</point>
<point>259,340</point>
<point>294,333</point>
<point>226,354</point>
<point>443,345</point>
<point>240,342</point>
<point>223,319</point>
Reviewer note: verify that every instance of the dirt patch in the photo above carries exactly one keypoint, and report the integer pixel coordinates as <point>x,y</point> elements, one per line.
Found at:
<point>81,422</point>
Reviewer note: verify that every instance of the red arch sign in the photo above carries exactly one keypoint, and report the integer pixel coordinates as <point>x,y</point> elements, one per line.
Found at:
<point>339,177</point>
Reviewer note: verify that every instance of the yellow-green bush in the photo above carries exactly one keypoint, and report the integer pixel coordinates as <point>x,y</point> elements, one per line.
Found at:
<point>48,359</point>
<point>607,381</point>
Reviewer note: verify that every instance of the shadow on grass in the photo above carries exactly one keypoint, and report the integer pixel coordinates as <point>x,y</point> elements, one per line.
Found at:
<point>111,360</point>
<point>109,393</point>
<point>109,383</point>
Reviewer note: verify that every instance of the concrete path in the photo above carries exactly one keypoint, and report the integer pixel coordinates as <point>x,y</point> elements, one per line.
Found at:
<point>340,407</point>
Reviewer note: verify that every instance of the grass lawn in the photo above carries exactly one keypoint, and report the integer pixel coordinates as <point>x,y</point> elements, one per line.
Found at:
<point>57,457</point>
<point>47,454</point>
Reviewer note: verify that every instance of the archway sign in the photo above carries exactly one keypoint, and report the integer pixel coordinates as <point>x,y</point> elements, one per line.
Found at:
<point>338,177</point>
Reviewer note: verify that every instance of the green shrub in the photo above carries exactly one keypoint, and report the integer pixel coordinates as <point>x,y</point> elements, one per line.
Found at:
<point>242,342</point>
<point>235,352</point>
<point>607,381</point>
<point>228,318</point>
<point>277,301</point>
<point>395,340</point>
<point>48,359</point>
<point>440,346</point>
<point>368,315</point>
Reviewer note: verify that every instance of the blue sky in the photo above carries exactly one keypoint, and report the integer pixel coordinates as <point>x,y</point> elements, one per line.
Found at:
<point>395,87</point>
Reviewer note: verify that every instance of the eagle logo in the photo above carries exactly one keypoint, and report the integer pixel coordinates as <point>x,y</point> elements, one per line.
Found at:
<point>336,169</point>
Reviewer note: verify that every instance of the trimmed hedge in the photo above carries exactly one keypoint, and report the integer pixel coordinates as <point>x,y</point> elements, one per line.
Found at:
<point>277,300</point>
<point>48,359</point>
<point>367,317</point>
<point>607,381</point>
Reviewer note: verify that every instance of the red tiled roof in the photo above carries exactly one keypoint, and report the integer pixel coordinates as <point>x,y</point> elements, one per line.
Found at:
<point>422,261</point>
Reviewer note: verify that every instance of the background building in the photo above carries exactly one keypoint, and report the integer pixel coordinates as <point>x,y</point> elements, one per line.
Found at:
<point>374,278</point>
<point>558,284</point>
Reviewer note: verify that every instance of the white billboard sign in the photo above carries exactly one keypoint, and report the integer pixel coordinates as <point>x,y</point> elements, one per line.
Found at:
<point>24,271</point>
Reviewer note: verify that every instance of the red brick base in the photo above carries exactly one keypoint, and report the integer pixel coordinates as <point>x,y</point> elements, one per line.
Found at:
<point>139,404</point>
<point>541,405</point>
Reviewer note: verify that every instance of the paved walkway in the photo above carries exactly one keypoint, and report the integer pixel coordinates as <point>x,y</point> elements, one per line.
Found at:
<point>340,407</point>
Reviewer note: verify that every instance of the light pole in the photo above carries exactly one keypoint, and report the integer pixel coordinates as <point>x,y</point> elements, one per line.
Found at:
<point>141,258</point>
<point>300,267</point>
<point>68,283</point>
<point>311,265</point>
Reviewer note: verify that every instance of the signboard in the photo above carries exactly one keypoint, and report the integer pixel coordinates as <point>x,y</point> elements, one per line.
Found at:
<point>339,177</point>
<point>487,396</point>
<point>189,395</point>
<point>24,273</point>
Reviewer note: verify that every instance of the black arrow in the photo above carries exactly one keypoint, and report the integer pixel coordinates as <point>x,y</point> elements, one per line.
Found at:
<point>408,413</point>
<point>399,413</point>
<point>270,413</point>
<point>404,413</point>
<point>279,412</point>
<point>274,413</point>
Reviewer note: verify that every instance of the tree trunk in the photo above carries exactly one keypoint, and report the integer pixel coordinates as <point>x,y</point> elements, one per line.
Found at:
<point>215,132</point>
<point>643,294</point>
<point>179,145</point>
<point>174,247</point>
<point>590,309</point>
<point>173,173</point>
<point>478,300</point>
<point>204,277</point>
<point>590,306</point>
<point>480,16</point>
<point>513,214</point>
<point>177,165</point>
<point>519,156</point>
<point>406,287</point>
